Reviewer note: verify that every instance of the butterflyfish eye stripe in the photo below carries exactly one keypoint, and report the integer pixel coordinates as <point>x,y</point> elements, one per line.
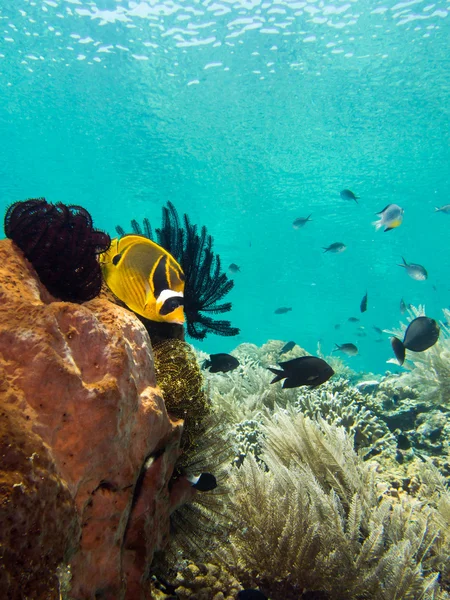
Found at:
<point>159,277</point>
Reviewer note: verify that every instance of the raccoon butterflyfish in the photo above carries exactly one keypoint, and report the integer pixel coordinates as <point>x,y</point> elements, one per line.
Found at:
<point>145,277</point>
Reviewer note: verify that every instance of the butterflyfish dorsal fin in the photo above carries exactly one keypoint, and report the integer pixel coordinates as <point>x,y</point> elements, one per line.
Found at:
<point>160,276</point>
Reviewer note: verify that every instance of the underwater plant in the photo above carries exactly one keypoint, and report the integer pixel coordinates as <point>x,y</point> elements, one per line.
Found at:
<point>181,381</point>
<point>319,520</point>
<point>205,283</point>
<point>342,404</point>
<point>62,245</point>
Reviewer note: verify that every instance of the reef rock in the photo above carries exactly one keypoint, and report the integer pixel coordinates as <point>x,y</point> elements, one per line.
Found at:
<point>87,447</point>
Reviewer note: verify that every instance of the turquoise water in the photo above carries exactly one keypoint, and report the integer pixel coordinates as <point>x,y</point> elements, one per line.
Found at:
<point>247,115</point>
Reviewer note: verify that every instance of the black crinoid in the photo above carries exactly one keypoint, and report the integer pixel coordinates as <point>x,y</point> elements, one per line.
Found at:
<point>205,283</point>
<point>62,245</point>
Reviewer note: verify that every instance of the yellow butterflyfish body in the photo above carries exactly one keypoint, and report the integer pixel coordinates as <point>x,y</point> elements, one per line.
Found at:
<point>145,277</point>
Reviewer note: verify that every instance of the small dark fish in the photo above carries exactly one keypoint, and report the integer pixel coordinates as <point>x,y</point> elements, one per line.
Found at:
<point>415,271</point>
<point>250,594</point>
<point>336,247</point>
<point>233,268</point>
<point>306,370</point>
<point>282,310</point>
<point>378,330</point>
<point>421,334</point>
<point>337,326</point>
<point>221,363</point>
<point>349,195</point>
<point>402,306</point>
<point>363,305</point>
<point>205,482</point>
<point>444,209</point>
<point>361,334</point>
<point>349,349</point>
<point>287,347</point>
<point>301,221</point>
<point>353,320</point>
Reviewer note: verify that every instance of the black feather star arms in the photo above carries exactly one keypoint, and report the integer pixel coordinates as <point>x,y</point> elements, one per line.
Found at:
<point>205,283</point>
<point>62,245</point>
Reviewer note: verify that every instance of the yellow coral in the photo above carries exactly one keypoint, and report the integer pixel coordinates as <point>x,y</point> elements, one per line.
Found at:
<point>181,381</point>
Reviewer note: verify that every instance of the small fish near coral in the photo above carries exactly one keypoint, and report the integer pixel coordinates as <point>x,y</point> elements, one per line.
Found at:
<point>335,248</point>
<point>220,363</point>
<point>287,347</point>
<point>415,271</point>
<point>145,277</point>
<point>390,217</point>
<point>421,334</point>
<point>353,320</point>
<point>349,195</point>
<point>61,243</point>
<point>301,222</point>
<point>282,310</point>
<point>363,305</point>
<point>348,349</point>
<point>306,370</point>
<point>234,268</point>
<point>205,482</point>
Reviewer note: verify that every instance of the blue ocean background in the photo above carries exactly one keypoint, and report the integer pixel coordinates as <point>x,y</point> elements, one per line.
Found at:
<point>247,115</point>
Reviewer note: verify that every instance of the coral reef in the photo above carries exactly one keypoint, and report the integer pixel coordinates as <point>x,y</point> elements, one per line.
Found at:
<point>61,244</point>
<point>205,283</point>
<point>323,506</point>
<point>180,379</point>
<point>248,436</point>
<point>320,520</point>
<point>83,381</point>
<point>338,402</point>
<point>197,527</point>
<point>205,582</point>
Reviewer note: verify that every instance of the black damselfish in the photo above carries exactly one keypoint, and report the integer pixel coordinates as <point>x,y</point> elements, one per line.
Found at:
<point>221,363</point>
<point>306,370</point>
<point>205,482</point>
<point>287,347</point>
<point>421,334</point>
<point>363,305</point>
<point>282,310</point>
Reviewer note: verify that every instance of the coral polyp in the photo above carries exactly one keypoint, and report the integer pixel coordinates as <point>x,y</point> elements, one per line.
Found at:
<point>62,245</point>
